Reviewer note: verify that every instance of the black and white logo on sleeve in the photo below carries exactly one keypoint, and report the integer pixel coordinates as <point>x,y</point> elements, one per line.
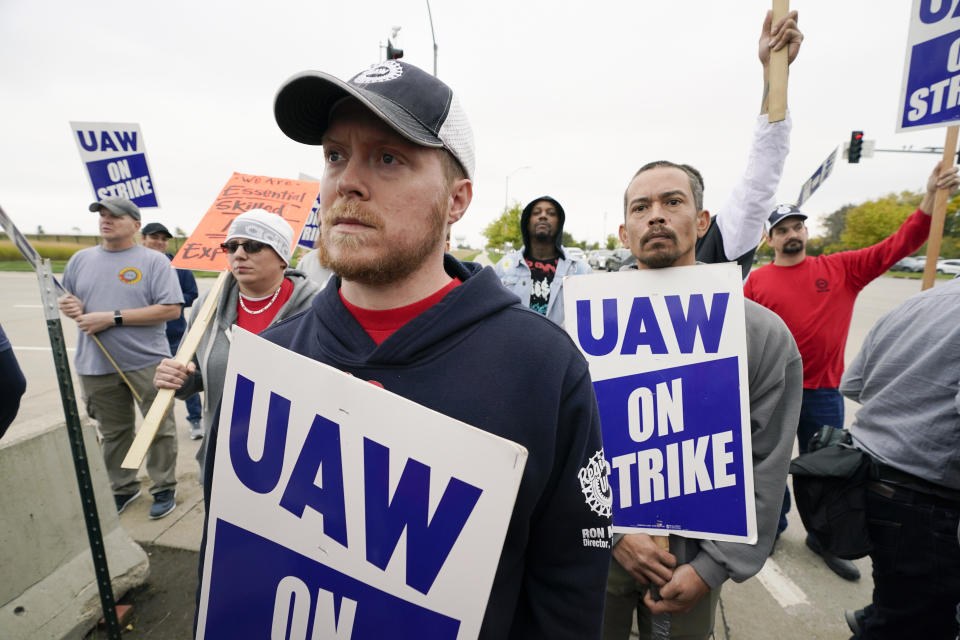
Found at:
<point>595,484</point>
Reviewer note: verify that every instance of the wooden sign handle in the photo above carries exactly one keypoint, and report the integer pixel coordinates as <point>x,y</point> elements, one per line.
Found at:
<point>163,401</point>
<point>117,367</point>
<point>660,624</point>
<point>939,212</point>
<point>778,70</point>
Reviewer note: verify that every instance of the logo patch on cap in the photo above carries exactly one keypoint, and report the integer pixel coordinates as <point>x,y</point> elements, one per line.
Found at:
<point>784,208</point>
<point>383,72</point>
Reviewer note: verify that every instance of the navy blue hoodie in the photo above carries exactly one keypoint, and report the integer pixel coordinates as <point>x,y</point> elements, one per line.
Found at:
<point>480,357</point>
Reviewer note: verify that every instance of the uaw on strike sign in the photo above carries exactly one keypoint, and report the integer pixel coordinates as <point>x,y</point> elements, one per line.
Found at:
<point>341,510</point>
<point>667,354</point>
<point>931,74</point>
<point>116,160</point>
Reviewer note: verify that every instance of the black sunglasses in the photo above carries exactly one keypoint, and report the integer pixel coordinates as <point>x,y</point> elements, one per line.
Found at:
<point>249,246</point>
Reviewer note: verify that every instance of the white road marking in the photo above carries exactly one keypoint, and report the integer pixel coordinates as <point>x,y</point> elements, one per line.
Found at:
<point>782,588</point>
<point>39,349</point>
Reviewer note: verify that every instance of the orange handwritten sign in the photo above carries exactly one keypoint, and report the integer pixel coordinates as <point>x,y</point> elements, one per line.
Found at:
<point>291,199</point>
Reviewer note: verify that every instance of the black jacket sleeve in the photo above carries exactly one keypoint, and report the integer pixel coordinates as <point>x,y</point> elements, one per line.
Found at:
<point>14,385</point>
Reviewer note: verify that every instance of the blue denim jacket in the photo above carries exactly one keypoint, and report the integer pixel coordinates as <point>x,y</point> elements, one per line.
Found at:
<point>515,276</point>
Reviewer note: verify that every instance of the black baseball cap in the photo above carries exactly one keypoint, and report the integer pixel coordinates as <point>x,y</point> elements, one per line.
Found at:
<point>415,104</point>
<point>155,227</point>
<point>781,212</point>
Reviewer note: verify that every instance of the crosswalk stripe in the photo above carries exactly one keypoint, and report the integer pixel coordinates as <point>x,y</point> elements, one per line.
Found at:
<point>782,588</point>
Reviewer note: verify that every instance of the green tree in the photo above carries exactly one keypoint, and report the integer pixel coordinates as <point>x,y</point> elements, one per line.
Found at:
<point>505,228</point>
<point>833,225</point>
<point>568,241</point>
<point>871,222</point>
<point>613,242</point>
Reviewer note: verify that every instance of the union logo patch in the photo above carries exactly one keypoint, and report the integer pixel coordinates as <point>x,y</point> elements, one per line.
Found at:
<point>383,72</point>
<point>595,485</point>
<point>130,275</point>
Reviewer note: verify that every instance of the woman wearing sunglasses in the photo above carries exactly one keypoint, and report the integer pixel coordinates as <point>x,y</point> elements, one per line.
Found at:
<point>259,292</point>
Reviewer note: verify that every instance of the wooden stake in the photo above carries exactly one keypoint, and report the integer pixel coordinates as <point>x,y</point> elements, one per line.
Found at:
<point>660,629</point>
<point>939,212</point>
<point>161,404</point>
<point>117,367</point>
<point>777,98</point>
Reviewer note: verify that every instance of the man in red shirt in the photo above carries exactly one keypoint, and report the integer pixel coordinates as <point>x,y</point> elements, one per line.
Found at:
<point>815,297</point>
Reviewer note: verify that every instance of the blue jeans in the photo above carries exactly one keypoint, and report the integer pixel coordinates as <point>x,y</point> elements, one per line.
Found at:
<point>819,407</point>
<point>916,565</point>
<point>194,406</point>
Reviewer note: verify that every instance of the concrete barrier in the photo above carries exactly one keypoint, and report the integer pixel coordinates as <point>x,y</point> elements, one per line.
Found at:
<point>47,583</point>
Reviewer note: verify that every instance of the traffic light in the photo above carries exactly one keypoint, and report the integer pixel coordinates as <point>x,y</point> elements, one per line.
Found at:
<point>856,146</point>
<point>394,50</point>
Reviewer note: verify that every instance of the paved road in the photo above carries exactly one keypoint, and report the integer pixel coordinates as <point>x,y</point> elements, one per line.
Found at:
<point>794,597</point>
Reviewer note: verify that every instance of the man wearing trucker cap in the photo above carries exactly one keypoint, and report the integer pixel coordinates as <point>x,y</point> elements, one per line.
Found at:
<point>399,165</point>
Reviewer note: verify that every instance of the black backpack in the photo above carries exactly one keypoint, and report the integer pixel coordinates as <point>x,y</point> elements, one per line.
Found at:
<point>829,485</point>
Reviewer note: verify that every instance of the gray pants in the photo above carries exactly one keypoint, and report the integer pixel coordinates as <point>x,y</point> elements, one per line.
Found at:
<point>625,598</point>
<point>110,403</point>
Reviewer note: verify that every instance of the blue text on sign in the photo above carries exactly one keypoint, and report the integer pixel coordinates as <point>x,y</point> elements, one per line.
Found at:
<point>108,140</point>
<point>386,516</point>
<point>643,329</point>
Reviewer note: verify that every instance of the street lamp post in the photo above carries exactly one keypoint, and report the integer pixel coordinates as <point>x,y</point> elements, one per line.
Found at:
<point>506,190</point>
<point>434,36</point>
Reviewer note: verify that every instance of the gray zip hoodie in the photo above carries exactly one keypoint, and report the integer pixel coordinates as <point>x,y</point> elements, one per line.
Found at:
<point>211,357</point>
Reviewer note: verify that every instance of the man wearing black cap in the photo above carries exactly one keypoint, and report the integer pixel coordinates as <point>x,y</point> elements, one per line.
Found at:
<point>536,270</point>
<point>124,293</point>
<point>399,164</point>
<point>815,297</point>
<point>157,237</point>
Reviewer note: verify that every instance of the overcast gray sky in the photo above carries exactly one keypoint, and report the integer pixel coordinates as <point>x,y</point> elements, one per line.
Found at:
<point>582,93</point>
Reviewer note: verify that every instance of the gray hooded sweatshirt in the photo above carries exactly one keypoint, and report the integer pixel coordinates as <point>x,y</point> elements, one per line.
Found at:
<point>211,357</point>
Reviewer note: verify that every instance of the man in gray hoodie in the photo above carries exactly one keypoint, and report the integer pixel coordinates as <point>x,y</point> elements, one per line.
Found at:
<point>663,218</point>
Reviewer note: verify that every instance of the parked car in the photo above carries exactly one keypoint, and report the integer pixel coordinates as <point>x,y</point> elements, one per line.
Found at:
<point>913,264</point>
<point>617,259</point>
<point>598,258</point>
<point>949,266</point>
<point>575,253</point>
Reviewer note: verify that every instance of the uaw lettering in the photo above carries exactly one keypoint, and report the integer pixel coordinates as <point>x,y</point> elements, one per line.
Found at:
<point>311,230</point>
<point>814,182</point>
<point>669,374</point>
<point>116,161</point>
<point>352,529</point>
<point>931,84</point>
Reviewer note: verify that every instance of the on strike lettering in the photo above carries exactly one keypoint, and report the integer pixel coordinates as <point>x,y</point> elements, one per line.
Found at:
<point>291,610</point>
<point>669,409</point>
<point>686,459</point>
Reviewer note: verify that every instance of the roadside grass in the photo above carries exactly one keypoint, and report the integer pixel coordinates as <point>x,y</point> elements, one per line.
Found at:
<point>52,250</point>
